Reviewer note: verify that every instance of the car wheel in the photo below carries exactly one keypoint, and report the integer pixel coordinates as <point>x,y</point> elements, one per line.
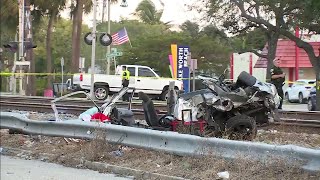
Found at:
<point>101,92</point>
<point>261,117</point>
<point>286,97</point>
<point>310,105</point>
<point>164,95</point>
<point>301,98</point>
<point>241,127</point>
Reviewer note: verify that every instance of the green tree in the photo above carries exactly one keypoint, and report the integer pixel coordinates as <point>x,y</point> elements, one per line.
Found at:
<point>276,18</point>
<point>147,12</point>
<point>9,14</point>
<point>151,47</point>
<point>77,8</point>
<point>190,28</point>
<point>253,41</point>
<point>227,13</point>
<point>50,10</point>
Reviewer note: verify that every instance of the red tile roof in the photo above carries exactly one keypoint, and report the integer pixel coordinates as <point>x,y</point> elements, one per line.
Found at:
<point>286,53</point>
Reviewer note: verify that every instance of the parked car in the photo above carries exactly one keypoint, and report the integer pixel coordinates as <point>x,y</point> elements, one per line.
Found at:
<point>142,78</point>
<point>312,100</point>
<point>299,91</point>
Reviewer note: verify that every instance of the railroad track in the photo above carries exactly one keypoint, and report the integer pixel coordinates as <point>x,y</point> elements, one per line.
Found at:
<point>78,105</point>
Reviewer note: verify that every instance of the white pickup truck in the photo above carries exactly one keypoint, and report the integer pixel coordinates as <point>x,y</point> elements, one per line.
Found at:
<point>142,78</point>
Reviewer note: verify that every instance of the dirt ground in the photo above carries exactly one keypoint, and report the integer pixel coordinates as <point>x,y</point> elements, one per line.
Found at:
<point>271,134</point>
<point>64,150</point>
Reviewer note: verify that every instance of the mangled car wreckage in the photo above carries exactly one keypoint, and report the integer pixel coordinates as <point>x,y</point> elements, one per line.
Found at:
<point>220,110</point>
<point>233,110</point>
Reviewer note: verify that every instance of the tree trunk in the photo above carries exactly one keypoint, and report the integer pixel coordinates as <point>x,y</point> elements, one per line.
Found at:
<point>272,48</point>
<point>74,41</point>
<point>48,48</point>
<point>31,86</point>
<point>76,33</point>
<point>78,38</point>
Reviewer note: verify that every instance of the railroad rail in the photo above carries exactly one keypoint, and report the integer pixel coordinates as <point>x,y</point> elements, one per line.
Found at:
<point>78,105</point>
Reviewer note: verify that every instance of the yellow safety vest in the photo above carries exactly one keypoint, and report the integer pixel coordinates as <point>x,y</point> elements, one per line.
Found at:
<point>126,74</point>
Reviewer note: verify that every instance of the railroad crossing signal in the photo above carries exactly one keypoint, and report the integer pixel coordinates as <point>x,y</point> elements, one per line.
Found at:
<point>105,39</point>
<point>14,46</point>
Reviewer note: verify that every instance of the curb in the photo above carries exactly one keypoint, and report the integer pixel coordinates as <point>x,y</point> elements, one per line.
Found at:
<point>96,166</point>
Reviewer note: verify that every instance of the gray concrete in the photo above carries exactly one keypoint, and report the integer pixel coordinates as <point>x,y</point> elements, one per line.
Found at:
<point>13,168</point>
<point>295,107</point>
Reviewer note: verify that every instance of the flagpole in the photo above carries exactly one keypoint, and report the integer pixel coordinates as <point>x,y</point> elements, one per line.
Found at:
<point>128,36</point>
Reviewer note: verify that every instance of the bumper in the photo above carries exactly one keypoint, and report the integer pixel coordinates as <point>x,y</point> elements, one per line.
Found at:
<point>74,88</point>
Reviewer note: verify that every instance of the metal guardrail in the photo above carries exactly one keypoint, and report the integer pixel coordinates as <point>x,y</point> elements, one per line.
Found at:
<point>171,142</point>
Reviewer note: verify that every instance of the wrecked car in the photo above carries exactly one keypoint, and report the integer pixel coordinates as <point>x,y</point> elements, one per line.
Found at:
<point>201,105</point>
<point>229,110</point>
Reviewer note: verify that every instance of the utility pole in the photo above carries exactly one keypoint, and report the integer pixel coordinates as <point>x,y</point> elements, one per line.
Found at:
<point>103,9</point>
<point>21,43</point>
<point>30,89</point>
<point>93,55</point>
<point>109,47</point>
<point>13,80</point>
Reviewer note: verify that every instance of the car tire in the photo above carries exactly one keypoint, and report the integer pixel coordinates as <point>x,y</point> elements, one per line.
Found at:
<point>164,95</point>
<point>247,79</point>
<point>286,97</point>
<point>311,107</point>
<point>300,99</point>
<point>261,117</point>
<point>101,92</point>
<point>241,127</point>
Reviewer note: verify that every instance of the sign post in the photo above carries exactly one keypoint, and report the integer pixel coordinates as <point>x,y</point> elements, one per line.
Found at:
<point>114,53</point>
<point>62,64</point>
<point>93,50</point>
<point>192,63</point>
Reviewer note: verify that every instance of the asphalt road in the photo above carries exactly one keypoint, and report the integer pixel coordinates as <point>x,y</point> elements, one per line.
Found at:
<point>13,169</point>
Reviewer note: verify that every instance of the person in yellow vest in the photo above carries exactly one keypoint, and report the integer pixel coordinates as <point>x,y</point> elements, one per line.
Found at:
<point>125,81</point>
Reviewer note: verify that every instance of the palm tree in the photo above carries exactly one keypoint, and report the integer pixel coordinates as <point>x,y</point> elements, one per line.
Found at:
<point>147,12</point>
<point>50,10</point>
<point>191,28</point>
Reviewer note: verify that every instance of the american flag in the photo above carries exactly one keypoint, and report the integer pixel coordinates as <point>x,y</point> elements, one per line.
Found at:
<point>120,37</point>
